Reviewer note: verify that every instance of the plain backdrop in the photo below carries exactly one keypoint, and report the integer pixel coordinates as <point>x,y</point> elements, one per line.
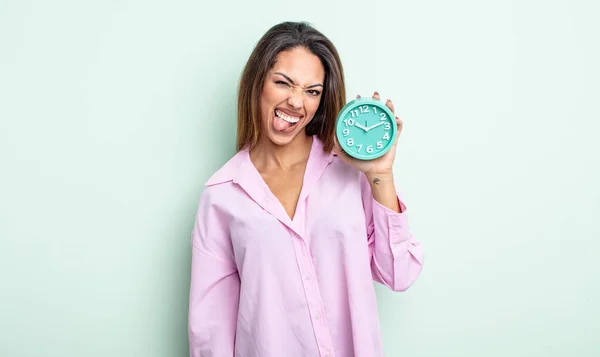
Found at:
<point>114,113</point>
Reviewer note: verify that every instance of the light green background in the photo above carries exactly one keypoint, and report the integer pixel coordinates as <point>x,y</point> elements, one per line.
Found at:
<point>114,113</point>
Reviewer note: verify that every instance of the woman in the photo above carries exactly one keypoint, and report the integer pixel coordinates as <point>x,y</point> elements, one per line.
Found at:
<point>291,232</point>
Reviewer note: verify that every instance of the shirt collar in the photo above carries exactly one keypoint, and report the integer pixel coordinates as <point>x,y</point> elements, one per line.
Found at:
<point>240,167</point>
<point>241,171</point>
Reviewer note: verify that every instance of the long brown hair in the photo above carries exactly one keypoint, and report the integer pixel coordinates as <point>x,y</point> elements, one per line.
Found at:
<point>282,37</point>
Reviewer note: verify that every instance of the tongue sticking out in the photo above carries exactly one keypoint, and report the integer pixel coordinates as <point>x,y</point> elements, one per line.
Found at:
<point>280,124</point>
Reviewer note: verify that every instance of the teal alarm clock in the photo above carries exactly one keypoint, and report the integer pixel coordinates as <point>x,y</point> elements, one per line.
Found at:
<point>366,128</point>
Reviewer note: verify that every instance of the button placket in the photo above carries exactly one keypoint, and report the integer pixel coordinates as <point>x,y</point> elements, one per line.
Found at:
<point>313,295</point>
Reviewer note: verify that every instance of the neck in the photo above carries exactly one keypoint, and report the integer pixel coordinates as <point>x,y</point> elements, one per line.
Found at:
<point>266,155</point>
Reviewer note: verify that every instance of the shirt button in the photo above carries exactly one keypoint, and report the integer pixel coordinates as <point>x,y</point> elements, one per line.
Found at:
<point>318,316</point>
<point>307,278</point>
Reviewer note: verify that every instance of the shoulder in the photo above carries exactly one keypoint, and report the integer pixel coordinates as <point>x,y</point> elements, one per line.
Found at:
<point>219,189</point>
<point>227,172</point>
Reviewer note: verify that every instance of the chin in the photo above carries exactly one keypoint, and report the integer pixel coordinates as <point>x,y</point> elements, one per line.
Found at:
<point>281,139</point>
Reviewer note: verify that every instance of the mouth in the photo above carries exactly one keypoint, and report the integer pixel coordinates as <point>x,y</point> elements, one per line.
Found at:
<point>292,119</point>
<point>284,122</point>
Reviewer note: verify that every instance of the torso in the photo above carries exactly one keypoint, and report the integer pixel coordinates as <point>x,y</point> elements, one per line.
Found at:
<point>286,186</point>
<point>327,242</point>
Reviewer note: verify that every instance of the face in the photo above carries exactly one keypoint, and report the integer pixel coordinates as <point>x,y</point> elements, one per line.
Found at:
<point>291,95</point>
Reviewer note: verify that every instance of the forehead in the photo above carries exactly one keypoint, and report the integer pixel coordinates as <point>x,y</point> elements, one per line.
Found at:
<point>301,66</point>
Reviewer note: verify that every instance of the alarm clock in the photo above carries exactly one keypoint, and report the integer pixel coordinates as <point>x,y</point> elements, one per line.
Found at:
<point>366,128</point>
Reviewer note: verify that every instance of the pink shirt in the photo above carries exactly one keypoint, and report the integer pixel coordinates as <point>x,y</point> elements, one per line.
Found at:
<point>264,285</point>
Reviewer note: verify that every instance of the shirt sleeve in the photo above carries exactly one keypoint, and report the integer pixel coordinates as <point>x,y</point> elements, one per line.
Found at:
<point>396,256</point>
<point>214,290</point>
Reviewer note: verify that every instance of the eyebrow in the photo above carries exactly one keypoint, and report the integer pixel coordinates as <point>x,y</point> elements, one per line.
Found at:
<point>291,81</point>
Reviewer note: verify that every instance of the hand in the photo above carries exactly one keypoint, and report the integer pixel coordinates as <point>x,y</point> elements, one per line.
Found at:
<point>380,166</point>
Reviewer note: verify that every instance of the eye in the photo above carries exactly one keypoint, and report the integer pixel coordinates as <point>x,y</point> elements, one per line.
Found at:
<point>314,93</point>
<point>282,83</point>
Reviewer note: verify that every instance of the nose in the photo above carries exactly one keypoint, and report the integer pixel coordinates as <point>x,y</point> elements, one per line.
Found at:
<point>295,99</point>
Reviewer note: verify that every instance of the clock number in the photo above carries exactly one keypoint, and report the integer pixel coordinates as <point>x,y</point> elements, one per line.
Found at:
<point>354,113</point>
<point>350,142</point>
<point>379,145</point>
<point>364,109</point>
<point>349,122</point>
<point>386,136</point>
<point>369,149</point>
<point>359,146</point>
<point>375,110</point>
<point>387,126</point>
<point>383,116</point>
<point>346,132</point>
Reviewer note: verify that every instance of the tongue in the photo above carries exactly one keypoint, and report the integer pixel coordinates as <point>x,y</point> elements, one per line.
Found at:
<point>280,124</point>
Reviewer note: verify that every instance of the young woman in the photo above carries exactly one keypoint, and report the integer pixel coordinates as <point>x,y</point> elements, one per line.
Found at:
<point>291,232</point>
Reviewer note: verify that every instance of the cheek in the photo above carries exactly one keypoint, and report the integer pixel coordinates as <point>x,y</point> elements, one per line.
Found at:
<point>273,95</point>
<point>266,102</point>
<point>312,105</point>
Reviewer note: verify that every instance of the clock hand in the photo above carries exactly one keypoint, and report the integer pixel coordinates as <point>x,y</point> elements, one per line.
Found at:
<point>375,126</point>
<point>360,126</point>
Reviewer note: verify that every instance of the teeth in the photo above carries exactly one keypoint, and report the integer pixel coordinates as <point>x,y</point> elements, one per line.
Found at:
<point>286,117</point>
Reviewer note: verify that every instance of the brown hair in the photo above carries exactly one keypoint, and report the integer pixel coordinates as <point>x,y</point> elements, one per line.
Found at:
<point>283,37</point>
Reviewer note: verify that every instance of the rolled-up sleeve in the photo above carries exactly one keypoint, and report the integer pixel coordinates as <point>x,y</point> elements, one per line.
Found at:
<point>396,256</point>
<point>214,288</point>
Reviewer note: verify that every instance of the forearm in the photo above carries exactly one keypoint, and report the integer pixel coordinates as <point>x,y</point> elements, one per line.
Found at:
<point>397,258</point>
<point>384,190</point>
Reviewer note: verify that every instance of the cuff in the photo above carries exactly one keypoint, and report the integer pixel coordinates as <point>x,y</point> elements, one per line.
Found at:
<point>391,228</point>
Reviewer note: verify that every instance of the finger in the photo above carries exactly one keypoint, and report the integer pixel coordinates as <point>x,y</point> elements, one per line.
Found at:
<point>390,105</point>
<point>400,124</point>
<point>357,96</point>
<point>376,95</point>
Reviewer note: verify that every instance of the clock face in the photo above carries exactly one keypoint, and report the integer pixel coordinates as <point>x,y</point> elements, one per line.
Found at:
<point>366,128</point>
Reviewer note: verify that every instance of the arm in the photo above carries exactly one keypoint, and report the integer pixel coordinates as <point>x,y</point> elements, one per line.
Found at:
<point>214,290</point>
<point>383,190</point>
<point>396,257</point>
